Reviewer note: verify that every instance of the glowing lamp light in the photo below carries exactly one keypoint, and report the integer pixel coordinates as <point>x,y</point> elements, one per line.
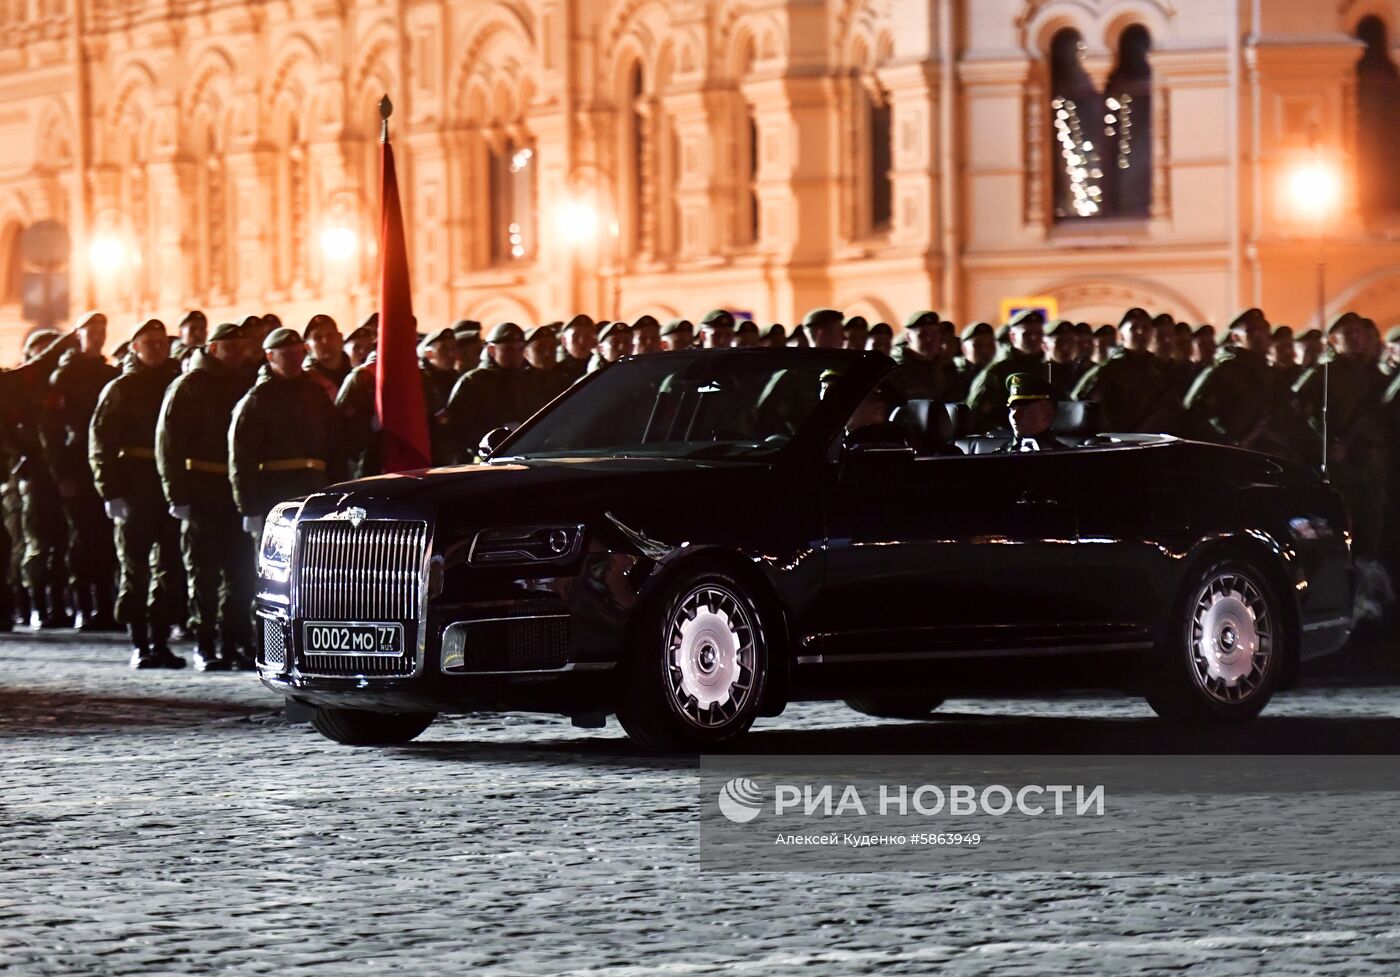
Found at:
<point>579,222</point>
<point>339,243</point>
<point>108,254</point>
<point>1315,189</point>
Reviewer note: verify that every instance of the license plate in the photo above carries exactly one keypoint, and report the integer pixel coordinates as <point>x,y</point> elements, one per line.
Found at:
<point>351,638</point>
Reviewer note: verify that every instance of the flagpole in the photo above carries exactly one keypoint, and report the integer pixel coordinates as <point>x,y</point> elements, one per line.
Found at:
<point>386,109</point>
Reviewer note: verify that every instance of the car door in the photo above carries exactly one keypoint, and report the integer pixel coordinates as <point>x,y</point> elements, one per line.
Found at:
<point>949,556</point>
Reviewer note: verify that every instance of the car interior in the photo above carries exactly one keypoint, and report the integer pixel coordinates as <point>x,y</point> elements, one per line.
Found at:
<point>933,428</point>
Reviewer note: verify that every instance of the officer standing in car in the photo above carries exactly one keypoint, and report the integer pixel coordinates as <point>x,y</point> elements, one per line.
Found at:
<point>121,450</point>
<point>192,456</point>
<point>270,459</point>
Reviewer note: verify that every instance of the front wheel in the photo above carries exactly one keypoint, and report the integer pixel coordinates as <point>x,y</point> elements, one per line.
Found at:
<point>358,727</point>
<point>1222,659</point>
<point>697,670</point>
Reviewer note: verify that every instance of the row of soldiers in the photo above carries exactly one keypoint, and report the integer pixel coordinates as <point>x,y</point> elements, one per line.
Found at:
<point>153,472</point>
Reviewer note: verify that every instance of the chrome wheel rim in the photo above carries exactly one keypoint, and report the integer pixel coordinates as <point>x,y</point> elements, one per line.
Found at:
<point>710,655</point>
<point>1232,638</point>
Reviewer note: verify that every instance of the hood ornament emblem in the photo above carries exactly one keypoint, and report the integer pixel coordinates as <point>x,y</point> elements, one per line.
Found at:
<point>356,515</point>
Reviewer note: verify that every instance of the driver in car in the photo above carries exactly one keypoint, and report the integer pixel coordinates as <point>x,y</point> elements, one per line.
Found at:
<point>1031,402</point>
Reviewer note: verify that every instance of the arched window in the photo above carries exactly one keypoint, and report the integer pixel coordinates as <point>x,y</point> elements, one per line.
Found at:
<point>1076,114</point>
<point>1128,125</point>
<point>512,178</point>
<point>635,151</point>
<point>1377,121</point>
<point>880,185</point>
<point>748,168</point>
<point>1102,141</point>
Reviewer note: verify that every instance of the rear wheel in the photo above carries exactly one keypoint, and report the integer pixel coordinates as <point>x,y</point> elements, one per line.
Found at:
<point>698,667</point>
<point>1223,657</point>
<point>896,706</point>
<point>358,727</point>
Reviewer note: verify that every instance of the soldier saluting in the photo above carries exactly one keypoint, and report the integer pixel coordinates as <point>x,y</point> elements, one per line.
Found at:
<point>192,457</point>
<point>122,442</point>
<point>285,439</point>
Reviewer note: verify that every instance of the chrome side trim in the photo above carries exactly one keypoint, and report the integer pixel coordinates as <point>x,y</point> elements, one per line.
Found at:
<point>1009,652</point>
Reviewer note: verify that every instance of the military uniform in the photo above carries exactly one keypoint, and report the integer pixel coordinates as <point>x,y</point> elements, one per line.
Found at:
<point>92,559</point>
<point>1135,392</point>
<point>1026,388</point>
<point>20,390</point>
<point>192,458</point>
<point>918,377</point>
<point>1355,434</point>
<point>356,405</point>
<point>1241,400</point>
<point>1064,376</point>
<point>270,460</point>
<point>545,383</point>
<point>489,396</point>
<point>41,521</point>
<point>987,396</point>
<point>121,449</point>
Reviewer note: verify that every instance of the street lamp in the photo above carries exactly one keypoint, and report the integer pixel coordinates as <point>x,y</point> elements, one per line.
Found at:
<point>339,243</point>
<point>582,221</point>
<point>108,254</point>
<point>1315,186</point>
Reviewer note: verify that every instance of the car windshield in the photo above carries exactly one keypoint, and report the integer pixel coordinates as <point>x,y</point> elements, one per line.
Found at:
<point>743,404</point>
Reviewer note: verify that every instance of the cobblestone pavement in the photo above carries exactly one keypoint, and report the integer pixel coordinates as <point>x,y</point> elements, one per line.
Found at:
<point>172,823</point>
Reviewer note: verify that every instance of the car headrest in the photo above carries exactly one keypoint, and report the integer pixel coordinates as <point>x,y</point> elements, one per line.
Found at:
<point>1076,417</point>
<point>927,419</point>
<point>961,416</point>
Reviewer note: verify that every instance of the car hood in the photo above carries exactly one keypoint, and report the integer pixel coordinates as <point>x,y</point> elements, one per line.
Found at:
<point>539,480</point>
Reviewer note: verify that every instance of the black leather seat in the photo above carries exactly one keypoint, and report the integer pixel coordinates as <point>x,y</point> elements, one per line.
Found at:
<point>1076,417</point>
<point>932,426</point>
<point>1075,422</point>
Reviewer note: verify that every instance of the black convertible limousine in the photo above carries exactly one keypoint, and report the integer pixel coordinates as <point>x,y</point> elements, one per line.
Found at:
<point>693,540</point>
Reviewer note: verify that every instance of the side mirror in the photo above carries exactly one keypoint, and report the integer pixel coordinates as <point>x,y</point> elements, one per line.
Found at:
<point>491,442</point>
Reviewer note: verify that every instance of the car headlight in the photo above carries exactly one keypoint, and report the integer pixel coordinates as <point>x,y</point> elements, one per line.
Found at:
<point>279,533</point>
<point>526,544</point>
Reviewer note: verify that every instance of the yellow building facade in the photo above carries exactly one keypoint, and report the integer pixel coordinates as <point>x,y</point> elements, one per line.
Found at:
<point>668,156</point>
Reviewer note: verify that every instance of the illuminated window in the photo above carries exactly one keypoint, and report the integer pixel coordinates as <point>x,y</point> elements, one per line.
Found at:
<point>512,202</point>
<point>1101,142</point>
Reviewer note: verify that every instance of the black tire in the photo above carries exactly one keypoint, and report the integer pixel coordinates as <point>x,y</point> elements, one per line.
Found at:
<point>662,677</point>
<point>1181,686</point>
<point>357,727</point>
<point>895,706</point>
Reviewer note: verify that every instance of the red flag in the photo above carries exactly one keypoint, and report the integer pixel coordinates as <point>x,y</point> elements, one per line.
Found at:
<point>398,392</point>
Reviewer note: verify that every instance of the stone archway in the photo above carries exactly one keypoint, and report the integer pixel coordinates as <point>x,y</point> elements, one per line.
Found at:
<point>1377,296</point>
<point>1105,302</point>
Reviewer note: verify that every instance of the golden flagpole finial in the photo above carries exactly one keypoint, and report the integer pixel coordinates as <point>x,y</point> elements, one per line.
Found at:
<point>386,109</point>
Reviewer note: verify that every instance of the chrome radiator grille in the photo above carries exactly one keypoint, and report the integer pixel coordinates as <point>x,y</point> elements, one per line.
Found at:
<point>369,572</point>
